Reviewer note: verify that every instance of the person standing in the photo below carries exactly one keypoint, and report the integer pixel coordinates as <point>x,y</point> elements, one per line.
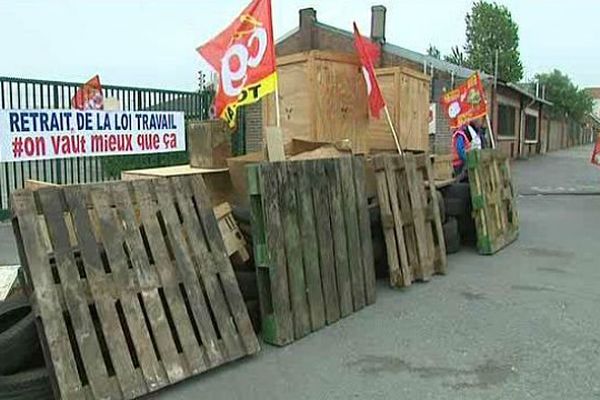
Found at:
<point>467,137</point>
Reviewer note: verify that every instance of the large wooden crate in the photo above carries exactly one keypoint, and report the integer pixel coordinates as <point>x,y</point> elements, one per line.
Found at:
<point>130,285</point>
<point>493,198</point>
<point>410,218</point>
<point>322,98</point>
<point>407,94</point>
<point>209,143</point>
<point>312,244</point>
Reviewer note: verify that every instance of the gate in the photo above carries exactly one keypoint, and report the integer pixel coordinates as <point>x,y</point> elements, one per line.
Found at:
<point>17,93</point>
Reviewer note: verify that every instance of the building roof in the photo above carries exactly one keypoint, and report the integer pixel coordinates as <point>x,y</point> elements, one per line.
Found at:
<point>519,88</point>
<point>419,58</point>
<point>594,92</point>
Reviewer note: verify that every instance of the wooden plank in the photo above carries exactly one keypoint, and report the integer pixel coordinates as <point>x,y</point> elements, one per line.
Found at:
<point>100,282</point>
<point>46,296</point>
<point>401,241</point>
<point>293,251</point>
<point>281,330</point>
<point>364,222</point>
<point>425,266</point>
<point>225,270</point>
<point>77,307</point>
<point>442,263</point>
<point>303,178</point>
<point>322,207</point>
<point>185,265</point>
<point>274,142</point>
<point>340,244</point>
<point>352,233</point>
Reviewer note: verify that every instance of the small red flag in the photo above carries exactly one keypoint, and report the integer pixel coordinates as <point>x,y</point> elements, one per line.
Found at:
<point>89,96</point>
<point>595,159</point>
<point>369,53</point>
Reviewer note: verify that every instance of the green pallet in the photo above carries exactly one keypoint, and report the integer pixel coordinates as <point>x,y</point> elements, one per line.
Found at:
<point>312,244</point>
<point>493,200</point>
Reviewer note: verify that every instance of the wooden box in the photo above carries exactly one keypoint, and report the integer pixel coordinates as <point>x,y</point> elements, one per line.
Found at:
<point>407,94</point>
<point>209,143</point>
<point>322,98</point>
<point>442,167</point>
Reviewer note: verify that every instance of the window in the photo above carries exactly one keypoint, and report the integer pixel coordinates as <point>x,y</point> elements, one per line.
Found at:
<point>506,120</point>
<point>531,128</point>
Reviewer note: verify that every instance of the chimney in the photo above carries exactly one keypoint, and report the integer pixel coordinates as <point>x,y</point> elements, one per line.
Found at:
<point>378,24</point>
<point>308,16</point>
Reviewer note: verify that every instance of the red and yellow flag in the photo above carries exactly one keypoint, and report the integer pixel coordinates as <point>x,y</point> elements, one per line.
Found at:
<point>466,102</point>
<point>244,57</point>
<point>89,96</point>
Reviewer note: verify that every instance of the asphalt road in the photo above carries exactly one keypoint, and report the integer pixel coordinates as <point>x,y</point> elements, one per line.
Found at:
<point>522,324</point>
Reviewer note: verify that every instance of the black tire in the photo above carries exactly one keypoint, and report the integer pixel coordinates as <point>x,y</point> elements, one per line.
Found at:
<point>19,343</point>
<point>459,190</point>
<point>451,236</point>
<point>241,214</point>
<point>248,286</point>
<point>254,314</point>
<point>33,384</point>
<point>456,207</point>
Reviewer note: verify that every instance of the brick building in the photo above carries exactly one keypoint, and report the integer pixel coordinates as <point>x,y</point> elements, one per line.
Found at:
<point>312,34</point>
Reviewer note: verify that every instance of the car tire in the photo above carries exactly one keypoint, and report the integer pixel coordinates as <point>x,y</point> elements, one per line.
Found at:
<point>451,236</point>
<point>33,384</point>
<point>19,342</point>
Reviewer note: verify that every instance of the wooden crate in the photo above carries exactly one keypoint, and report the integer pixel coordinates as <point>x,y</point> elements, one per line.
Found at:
<point>410,218</point>
<point>133,290</point>
<point>312,244</point>
<point>209,143</point>
<point>217,180</point>
<point>493,198</point>
<point>407,94</point>
<point>321,99</point>
<point>442,167</point>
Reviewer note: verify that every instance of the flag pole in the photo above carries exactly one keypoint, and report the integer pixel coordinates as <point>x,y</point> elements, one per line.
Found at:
<point>489,124</point>
<point>278,116</point>
<point>389,119</point>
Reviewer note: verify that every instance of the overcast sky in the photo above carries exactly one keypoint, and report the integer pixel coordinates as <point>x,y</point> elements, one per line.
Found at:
<point>152,43</point>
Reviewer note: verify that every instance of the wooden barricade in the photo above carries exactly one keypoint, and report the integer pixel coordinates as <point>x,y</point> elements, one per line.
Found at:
<point>410,218</point>
<point>130,284</point>
<point>312,244</point>
<point>493,198</point>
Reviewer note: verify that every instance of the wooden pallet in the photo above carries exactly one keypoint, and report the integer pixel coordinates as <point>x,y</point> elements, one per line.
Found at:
<point>131,285</point>
<point>410,218</point>
<point>312,244</point>
<point>493,198</point>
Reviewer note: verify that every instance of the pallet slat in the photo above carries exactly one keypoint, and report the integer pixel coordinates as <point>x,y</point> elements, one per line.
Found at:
<point>312,244</point>
<point>132,285</point>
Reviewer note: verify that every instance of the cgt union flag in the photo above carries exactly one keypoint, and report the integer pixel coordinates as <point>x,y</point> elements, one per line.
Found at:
<point>466,102</point>
<point>368,52</point>
<point>244,57</point>
<point>89,96</point>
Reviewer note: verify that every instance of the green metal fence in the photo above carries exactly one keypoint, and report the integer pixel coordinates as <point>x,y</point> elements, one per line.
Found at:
<point>17,93</point>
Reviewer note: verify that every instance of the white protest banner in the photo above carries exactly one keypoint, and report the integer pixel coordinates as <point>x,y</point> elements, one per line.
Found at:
<point>46,134</point>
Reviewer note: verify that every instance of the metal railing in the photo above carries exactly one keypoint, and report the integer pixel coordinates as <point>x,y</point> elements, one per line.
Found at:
<point>18,93</point>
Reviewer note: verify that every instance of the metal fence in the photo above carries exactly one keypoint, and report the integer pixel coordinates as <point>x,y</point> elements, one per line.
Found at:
<point>17,93</point>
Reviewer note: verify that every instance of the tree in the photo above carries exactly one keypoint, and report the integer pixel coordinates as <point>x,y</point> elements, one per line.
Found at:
<point>568,99</point>
<point>434,52</point>
<point>456,57</point>
<point>491,29</point>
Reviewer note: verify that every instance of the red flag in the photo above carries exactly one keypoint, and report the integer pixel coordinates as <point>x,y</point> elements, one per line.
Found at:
<point>596,152</point>
<point>466,102</point>
<point>89,96</point>
<point>244,57</point>
<point>369,53</point>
